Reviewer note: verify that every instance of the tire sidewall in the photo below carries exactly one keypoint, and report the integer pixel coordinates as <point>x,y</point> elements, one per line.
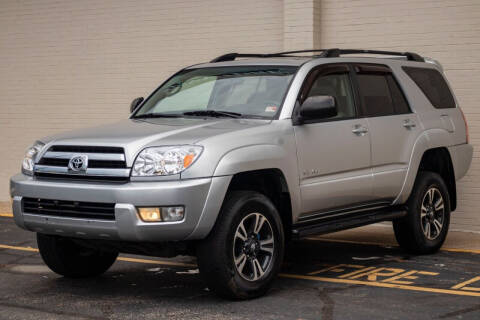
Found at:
<point>256,204</point>
<point>215,253</point>
<point>430,180</point>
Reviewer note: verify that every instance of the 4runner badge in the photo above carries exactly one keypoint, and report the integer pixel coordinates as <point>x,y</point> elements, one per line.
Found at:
<point>78,163</point>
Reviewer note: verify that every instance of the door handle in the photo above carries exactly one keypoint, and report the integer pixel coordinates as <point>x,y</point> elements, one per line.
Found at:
<point>408,124</point>
<point>360,130</point>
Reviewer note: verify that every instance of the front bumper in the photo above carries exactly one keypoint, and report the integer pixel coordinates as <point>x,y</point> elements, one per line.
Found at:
<point>202,199</point>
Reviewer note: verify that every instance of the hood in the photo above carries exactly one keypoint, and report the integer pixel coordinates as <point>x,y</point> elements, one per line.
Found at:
<point>135,134</point>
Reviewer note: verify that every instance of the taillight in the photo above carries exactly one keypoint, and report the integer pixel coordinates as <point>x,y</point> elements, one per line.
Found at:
<point>466,125</point>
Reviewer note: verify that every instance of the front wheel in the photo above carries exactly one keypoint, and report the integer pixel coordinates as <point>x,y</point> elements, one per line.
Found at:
<point>243,253</point>
<point>424,229</point>
<point>72,260</point>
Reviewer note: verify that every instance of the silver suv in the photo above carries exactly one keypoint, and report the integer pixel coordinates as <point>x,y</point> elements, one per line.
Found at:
<point>231,159</point>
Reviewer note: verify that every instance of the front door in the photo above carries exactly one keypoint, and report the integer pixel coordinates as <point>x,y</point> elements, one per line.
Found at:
<point>334,153</point>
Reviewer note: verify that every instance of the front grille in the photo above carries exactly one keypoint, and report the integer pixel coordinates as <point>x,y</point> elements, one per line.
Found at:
<point>71,209</point>
<point>104,163</point>
<point>91,163</point>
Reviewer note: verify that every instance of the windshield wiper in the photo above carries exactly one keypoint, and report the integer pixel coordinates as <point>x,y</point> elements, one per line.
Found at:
<point>157,115</point>
<point>213,113</point>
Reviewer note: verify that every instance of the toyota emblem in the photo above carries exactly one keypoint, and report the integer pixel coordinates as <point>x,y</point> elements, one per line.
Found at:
<point>78,163</point>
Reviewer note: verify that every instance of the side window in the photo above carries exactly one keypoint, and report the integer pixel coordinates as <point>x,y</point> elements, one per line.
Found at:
<point>338,86</point>
<point>400,103</point>
<point>375,95</point>
<point>433,85</point>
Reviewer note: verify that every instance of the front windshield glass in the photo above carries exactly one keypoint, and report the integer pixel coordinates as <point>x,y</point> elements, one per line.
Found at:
<point>246,91</point>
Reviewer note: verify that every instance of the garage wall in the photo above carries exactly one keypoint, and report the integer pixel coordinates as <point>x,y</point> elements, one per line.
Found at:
<point>66,64</point>
<point>446,30</point>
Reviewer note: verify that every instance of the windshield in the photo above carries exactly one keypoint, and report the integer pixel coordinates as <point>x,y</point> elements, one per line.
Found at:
<point>246,91</point>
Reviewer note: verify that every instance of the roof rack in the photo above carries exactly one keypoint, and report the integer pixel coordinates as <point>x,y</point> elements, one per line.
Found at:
<point>325,53</point>
<point>331,53</point>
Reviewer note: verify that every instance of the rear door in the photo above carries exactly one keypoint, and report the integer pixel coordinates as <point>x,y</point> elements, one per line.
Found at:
<point>333,153</point>
<point>393,127</point>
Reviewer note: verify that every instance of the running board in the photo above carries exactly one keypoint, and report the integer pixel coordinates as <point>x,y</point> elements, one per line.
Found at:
<point>354,220</point>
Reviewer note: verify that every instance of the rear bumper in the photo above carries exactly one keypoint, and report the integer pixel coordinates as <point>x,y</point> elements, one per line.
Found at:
<point>461,159</point>
<point>202,199</point>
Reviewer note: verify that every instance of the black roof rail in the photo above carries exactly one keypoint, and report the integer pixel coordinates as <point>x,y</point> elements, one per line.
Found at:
<point>332,53</point>
<point>325,53</point>
<point>232,56</point>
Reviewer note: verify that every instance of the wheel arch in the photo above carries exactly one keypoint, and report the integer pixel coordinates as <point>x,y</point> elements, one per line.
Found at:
<point>436,160</point>
<point>430,152</point>
<point>439,160</point>
<point>272,183</point>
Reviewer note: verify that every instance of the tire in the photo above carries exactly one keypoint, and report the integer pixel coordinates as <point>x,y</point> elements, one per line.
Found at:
<point>411,231</point>
<point>71,260</point>
<point>216,255</point>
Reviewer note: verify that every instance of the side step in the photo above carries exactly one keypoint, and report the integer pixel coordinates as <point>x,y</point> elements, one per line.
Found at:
<point>354,220</point>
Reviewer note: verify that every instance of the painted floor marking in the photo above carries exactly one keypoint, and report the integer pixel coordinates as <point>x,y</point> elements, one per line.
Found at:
<point>382,285</point>
<point>8,215</point>
<point>126,259</point>
<point>463,289</point>
<point>162,262</point>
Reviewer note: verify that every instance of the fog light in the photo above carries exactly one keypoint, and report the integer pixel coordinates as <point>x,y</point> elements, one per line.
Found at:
<point>172,213</point>
<point>159,214</point>
<point>150,214</point>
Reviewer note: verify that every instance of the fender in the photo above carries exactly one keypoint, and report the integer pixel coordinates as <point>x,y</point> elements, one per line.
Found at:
<point>243,159</point>
<point>428,139</point>
<point>263,156</point>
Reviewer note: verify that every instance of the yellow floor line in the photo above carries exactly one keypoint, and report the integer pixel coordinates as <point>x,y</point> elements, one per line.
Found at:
<point>381,284</point>
<point>9,215</point>
<point>127,259</point>
<point>4,246</point>
<point>292,276</point>
<point>162,262</point>
<point>367,243</point>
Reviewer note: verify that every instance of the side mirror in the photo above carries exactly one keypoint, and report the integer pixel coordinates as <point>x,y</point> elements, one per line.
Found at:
<point>135,103</point>
<point>318,107</point>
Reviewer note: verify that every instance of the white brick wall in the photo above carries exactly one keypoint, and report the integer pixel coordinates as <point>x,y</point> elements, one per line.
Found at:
<point>447,30</point>
<point>68,63</point>
<point>300,22</point>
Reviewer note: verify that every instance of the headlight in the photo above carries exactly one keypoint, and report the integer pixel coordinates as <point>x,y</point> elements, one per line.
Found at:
<point>164,161</point>
<point>30,154</point>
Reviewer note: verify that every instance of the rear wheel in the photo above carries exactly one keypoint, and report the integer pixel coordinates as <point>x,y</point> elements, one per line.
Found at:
<point>425,227</point>
<point>69,259</point>
<point>243,253</point>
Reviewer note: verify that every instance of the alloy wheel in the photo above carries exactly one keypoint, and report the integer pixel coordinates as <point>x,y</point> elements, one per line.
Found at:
<point>432,213</point>
<point>253,247</point>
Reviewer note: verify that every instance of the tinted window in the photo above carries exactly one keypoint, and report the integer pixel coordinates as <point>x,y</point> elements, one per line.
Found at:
<point>339,87</point>
<point>433,85</point>
<point>375,95</point>
<point>400,104</point>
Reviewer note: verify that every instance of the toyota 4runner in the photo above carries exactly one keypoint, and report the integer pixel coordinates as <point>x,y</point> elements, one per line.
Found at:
<point>231,159</point>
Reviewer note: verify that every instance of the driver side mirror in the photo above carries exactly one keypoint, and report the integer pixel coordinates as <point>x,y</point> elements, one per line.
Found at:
<point>318,107</point>
<point>135,103</point>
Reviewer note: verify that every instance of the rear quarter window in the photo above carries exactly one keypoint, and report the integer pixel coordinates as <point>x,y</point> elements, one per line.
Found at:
<point>433,85</point>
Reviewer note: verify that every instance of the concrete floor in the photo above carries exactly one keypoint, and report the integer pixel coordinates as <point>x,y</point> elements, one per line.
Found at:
<point>327,278</point>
